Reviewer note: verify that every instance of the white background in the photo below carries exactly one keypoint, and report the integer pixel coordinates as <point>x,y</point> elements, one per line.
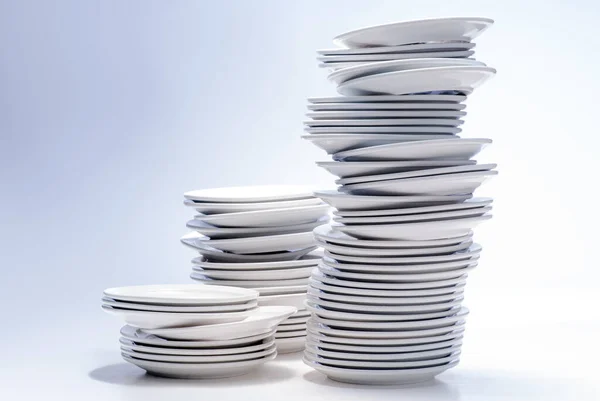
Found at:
<point>110,110</point>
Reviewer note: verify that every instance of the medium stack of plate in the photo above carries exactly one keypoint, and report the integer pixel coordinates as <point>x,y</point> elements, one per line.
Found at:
<point>259,237</point>
<point>386,300</point>
<point>195,331</point>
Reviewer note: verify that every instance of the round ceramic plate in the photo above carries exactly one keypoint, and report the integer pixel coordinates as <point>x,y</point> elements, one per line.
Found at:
<point>243,232</point>
<point>251,194</point>
<point>380,364</point>
<point>463,79</point>
<point>295,300</point>
<point>342,75</point>
<point>311,259</point>
<point>429,230</point>
<point>448,122</point>
<point>391,252</point>
<point>283,274</point>
<point>334,143</point>
<point>262,318</point>
<point>383,334</point>
<point>452,29</point>
<point>382,129</point>
<point>267,217</point>
<point>384,114</point>
<point>408,48</point>
<point>180,308</point>
<point>199,370</point>
<point>181,294</point>
<point>357,170</point>
<point>226,345</point>
<point>291,327</point>
<point>468,253</point>
<point>447,184</point>
<point>165,350</point>
<point>319,340</point>
<point>282,290</point>
<point>256,284</point>
<point>439,98</point>
<point>462,148</point>
<point>217,208</point>
<point>397,357</point>
<point>343,201</point>
<point>379,295</point>
<point>375,302</point>
<point>472,203</point>
<point>290,345</point>
<point>199,358</point>
<point>411,218</point>
<point>386,342</point>
<point>327,234</point>
<point>264,244</point>
<point>398,287</point>
<point>290,334</point>
<point>346,269</point>
<point>385,105</point>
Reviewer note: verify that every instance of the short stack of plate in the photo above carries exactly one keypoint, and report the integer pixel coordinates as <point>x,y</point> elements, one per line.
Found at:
<point>386,300</point>
<point>259,237</point>
<point>195,331</point>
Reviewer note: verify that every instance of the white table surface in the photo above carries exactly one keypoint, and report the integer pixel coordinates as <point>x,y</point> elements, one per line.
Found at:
<point>508,354</point>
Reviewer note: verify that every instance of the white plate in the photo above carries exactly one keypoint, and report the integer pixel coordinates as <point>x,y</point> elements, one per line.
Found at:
<point>250,194</point>
<point>403,317</point>
<point>359,122</point>
<point>397,129</point>
<point>335,60</point>
<point>311,259</point>
<point>297,319</point>
<point>440,98</point>
<point>462,148</point>
<point>384,114</point>
<point>181,294</point>
<point>414,231</point>
<point>212,208</point>
<point>380,334</point>
<point>399,276</point>
<point>227,345</point>
<point>199,370</point>
<point>345,74</point>
<point>452,29</point>
<point>266,217</point>
<point>193,240</point>
<point>159,320</point>
<point>350,300</point>
<point>290,334</point>
<point>326,233</point>
<point>397,269</point>
<point>380,376</point>
<point>387,252</point>
<point>359,169</point>
<point>199,358</point>
<point>427,341</point>
<point>165,350</point>
<point>290,345</point>
<point>333,285</point>
<point>395,288</point>
<point>291,327</point>
<point>341,261</point>
<point>472,203</point>
<point>334,143</point>
<point>283,274</point>
<point>319,340</point>
<point>380,364</point>
<point>242,232</point>
<point>256,284</point>
<point>263,318</point>
<point>406,218</point>
<point>417,173</point>
<point>282,290</point>
<point>295,300</point>
<point>263,244</point>
<point>463,79</point>
<point>446,184</point>
<point>386,106</point>
<point>343,201</point>
<point>407,48</point>
<point>409,356</point>
<point>180,308</point>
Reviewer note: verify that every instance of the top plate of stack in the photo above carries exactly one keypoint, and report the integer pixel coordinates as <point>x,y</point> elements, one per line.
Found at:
<point>251,194</point>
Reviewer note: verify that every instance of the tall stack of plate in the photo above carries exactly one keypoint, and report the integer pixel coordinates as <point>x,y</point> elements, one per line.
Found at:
<point>259,237</point>
<point>386,300</point>
<point>194,331</point>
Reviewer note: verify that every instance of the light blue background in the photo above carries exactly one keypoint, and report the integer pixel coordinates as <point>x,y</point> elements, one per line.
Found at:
<point>110,110</point>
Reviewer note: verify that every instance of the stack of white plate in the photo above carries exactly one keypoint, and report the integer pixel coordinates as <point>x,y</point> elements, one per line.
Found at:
<point>195,331</point>
<point>259,237</point>
<point>386,300</point>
